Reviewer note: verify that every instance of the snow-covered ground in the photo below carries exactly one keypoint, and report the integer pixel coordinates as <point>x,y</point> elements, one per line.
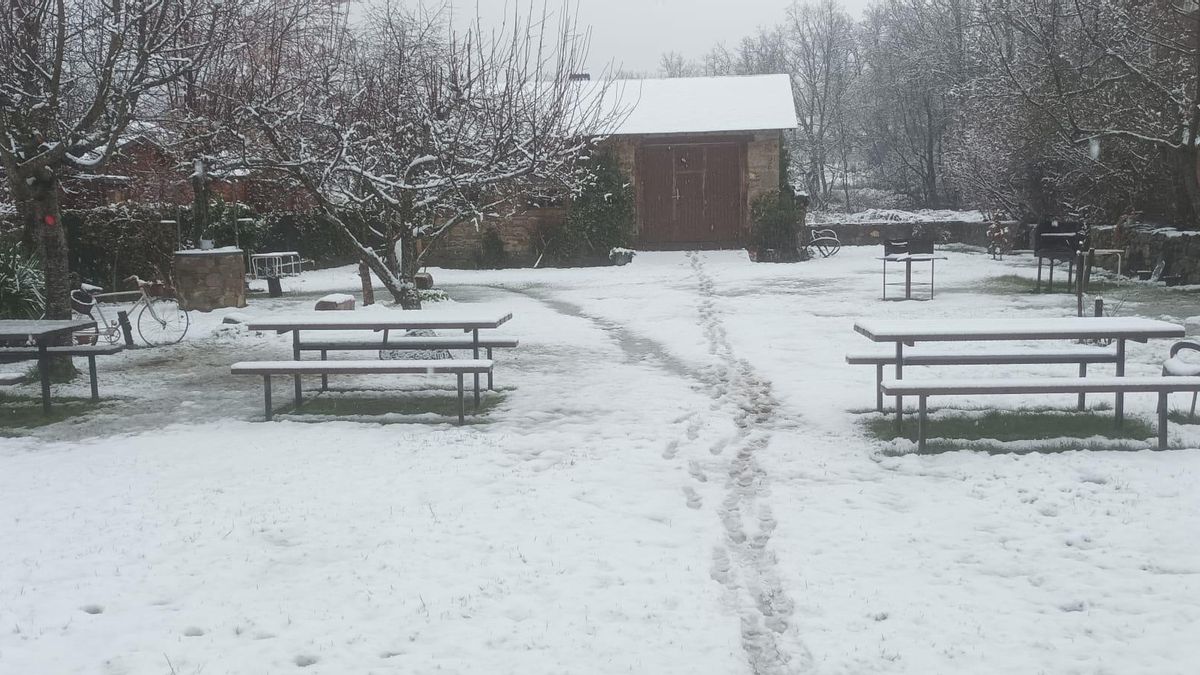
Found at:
<point>672,478</point>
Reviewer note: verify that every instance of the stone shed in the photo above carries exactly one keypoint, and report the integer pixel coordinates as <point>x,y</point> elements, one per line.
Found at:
<point>698,152</point>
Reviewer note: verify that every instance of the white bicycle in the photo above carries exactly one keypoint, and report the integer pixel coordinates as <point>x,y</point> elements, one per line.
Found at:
<point>160,320</point>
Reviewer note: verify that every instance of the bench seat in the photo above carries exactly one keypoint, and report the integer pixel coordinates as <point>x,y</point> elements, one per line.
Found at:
<point>372,367</point>
<point>998,357</point>
<point>1049,385</point>
<point>11,378</point>
<point>458,367</point>
<point>27,353</point>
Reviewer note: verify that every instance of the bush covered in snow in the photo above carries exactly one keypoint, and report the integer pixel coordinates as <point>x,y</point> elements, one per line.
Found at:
<point>22,286</point>
<point>776,218</point>
<point>600,217</point>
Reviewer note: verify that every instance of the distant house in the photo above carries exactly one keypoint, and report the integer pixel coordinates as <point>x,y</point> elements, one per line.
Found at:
<point>699,151</point>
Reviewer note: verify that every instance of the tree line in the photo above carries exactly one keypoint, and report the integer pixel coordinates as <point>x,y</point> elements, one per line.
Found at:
<point>1035,109</point>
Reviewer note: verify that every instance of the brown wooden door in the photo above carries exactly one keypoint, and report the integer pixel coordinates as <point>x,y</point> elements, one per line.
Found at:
<point>691,194</point>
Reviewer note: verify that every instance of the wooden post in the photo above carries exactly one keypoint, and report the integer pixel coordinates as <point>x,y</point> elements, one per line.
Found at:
<point>1099,307</point>
<point>274,289</point>
<point>126,329</point>
<point>1162,420</point>
<point>1079,258</point>
<point>92,374</point>
<point>368,291</point>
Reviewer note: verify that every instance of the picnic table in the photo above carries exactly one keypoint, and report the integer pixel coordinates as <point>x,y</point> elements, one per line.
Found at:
<point>44,333</point>
<point>908,259</point>
<point>908,332</point>
<point>471,321</point>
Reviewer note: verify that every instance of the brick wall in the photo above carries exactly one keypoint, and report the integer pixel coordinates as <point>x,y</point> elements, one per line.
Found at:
<point>462,246</point>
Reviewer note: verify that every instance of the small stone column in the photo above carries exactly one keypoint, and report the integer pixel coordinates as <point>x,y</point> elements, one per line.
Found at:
<point>206,280</point>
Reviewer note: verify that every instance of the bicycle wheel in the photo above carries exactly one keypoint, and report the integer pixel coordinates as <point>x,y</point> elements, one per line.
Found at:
<point>162,322</point>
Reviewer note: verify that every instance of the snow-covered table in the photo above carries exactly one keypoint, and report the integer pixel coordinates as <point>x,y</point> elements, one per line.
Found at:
<point>908,259</point>
<point>44,333</point>
<point>911,331</point>
<point>471,321</point>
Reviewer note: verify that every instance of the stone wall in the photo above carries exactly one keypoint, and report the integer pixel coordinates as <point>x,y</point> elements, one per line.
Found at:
<point>874,234</point>
<point>206,280</point>
<point>1145,246</point>
<point>462,246</point>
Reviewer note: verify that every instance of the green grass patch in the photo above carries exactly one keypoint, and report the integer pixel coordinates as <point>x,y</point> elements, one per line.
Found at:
<point>1183,417</point>
<point>1005,426</point>
<point>25,412</point>
<point>391,407</point>
<point>1010,284</point>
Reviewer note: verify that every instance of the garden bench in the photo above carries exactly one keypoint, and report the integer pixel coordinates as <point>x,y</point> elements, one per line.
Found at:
<point>14,354</point>
<point>266,369</point>
<point>923,389</point>
<point>412,343</point>
<point>1000,357</point>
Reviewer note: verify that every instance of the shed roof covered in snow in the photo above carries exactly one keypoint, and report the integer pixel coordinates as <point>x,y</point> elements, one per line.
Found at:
<point>702,104</point>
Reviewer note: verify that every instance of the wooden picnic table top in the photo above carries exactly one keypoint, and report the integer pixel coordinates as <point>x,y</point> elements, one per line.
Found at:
<point>1070,328</point>
<point>912,257</point>
<point>409,319</point>
<point>41,330</point>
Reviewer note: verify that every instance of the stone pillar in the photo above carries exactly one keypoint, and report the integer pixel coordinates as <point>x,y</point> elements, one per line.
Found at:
<point>206,280</point>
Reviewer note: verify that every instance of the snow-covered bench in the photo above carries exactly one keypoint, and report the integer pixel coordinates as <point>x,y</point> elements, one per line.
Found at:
<point>11,378</point>
<point>266,369</point>
<point>14,354</point>
<point>410,343</point>
<point>923,389</point>
<point>998,357</point>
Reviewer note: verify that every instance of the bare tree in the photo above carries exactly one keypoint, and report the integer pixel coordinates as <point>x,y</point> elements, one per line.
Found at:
<point>76,74</point>
<point>403,128</point>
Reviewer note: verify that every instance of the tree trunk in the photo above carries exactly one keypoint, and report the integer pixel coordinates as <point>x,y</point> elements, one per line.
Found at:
<point>1189,175</point>
<point>368,290</point>
<point>409,266</point>
<point>200,194</point>
<point>45,223</point>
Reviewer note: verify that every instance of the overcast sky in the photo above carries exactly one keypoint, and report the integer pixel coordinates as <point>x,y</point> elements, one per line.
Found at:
<point>633,34</point>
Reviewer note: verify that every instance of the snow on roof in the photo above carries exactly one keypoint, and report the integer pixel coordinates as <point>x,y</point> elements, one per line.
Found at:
<point>701,104</point>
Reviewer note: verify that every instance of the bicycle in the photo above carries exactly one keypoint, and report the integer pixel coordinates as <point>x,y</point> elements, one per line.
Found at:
<point>160,321</point>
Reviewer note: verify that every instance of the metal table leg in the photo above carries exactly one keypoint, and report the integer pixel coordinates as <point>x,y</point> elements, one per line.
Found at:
<point>44,369</point>
<point>475,348</point>
<point>296,357</point>
<point>899,375</point>
<point>1120,402</point>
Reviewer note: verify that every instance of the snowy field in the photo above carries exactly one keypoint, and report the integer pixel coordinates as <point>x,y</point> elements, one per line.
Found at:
<point>674,477</point>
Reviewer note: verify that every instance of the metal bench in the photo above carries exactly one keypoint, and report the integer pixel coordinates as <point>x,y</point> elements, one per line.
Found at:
<point>14,354</point>
<point>1079,355</point>
<point>266,369</point>
<point>923,389</point>
<point>1176,366</point>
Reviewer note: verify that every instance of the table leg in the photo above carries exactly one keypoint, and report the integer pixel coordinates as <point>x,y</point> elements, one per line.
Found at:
<point>1082,397</point>
<point>462,406</point>
<point>1162,420</point>
<point>1120,403</point>
<point>908,279</point>
<point>1039,277</point>
<point>885,280</point>
<point>879,387</point>
<point>44,370</point>
<point>921,424</point>
<point>899,375</point>
<point>324,376</point>
<point>296,357</point>
<point>489,355</point>
<point>92,376</point>
<point>475,347</point>
<point>267,394</point>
